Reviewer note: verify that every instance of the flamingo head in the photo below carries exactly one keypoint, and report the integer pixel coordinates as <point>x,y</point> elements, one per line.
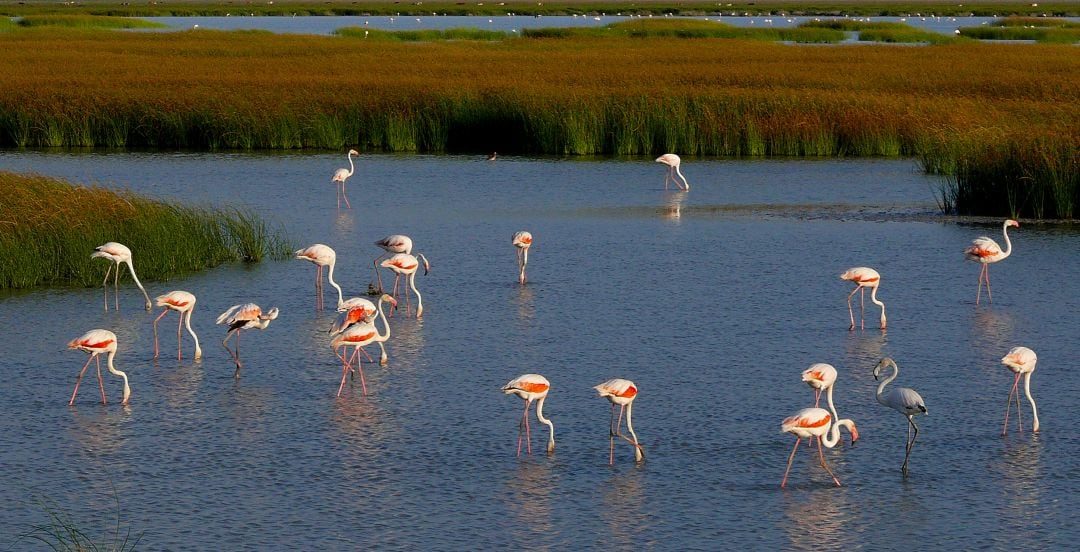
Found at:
<point>1012,223</point>
<point>854,433</point>
<point>273,314</point>
<point>427,265</point>
<point>881,366</point>
<point>353,152</point>
<point>389,299</point>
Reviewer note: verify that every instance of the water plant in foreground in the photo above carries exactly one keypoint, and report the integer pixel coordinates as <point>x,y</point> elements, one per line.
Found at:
<point>62,533</point>
<point>49,227</point>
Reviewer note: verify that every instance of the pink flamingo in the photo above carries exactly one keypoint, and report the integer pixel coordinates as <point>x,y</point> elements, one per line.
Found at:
<point>392,244</point>
<point>182,302</point>
<point>358,335</point>
<point>321,255</point>
<point>1021,361</point>
<point>863,278</point>
<point>117,253</point>
<point>820,376</point>
<point>522,241</point>
<point>531,387</point>
<point>673,161</point>
<point>359,310</point>
<point>96,342</point>
<point>406,265</point>
<point>248,316</point>
<point>341,175</point>
<point>620,392</point>
<point>815,422</point>
<point>985,250</point>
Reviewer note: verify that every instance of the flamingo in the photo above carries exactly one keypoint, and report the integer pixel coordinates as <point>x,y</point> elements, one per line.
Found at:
<point>815,422</point>
<point>182,302</point>
<point>96,342</point>
<point>985,250</point>
<point>863,277</point>
<point>341,175</point>
<point>361,311</point>
<point>405,264</point>
<point>1021,361</point>
<point>117,253</point>
<point>620,392</point>
<point>673,161</point>
<point>522,241</point>
<point>903,400</point>
<point>321,255</point>
<point>820,376</point>
<point>392,244</point>
<point>531,387</point>
<point>247,316</point>
<point>358,335</point>
<point>494,155</point>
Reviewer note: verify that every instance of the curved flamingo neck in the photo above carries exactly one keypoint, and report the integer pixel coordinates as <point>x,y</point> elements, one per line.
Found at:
<point>330,278</point>
<point>832,407</point>
<point>686,185</point>
<point>419,298</point>
<point>1008,242</point>
<point>198,350</point>
<point>886,381</point>
<point>137,282</point>
<point>351,166</point>
<point>386,324</point>
<point>547,422</point>
<point>831,439</point>
<point>114,371</point>
<point>1034,411</point>
<point>874,300</point>
<point>630,427</point>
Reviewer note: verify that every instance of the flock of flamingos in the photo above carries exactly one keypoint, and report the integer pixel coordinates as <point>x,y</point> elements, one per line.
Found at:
<point>355,327</point>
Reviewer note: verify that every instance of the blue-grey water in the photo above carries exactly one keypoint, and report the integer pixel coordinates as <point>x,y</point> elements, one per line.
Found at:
<point>712,301</point>
<point>324,25</point>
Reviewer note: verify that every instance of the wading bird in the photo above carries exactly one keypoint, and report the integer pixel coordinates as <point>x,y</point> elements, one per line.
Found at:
<point>358,335</point>
<point>531,387</point>
<point>96,342</point>
<point>820,376</point>
<point>248,316</point>
<point>117,253</point>
<point>673,161</point>
<point>391,245</point>
<point>903,400</point>
<point>341,175</point>
<point>863,278</point>
<point>815,422</point>
<point>1021,361</point>
<point>522,241</point>
<point>985,250</point>
<point>620,392</point>
<point>321,255</point>
<point>183,303</point>
<point>404,264</point>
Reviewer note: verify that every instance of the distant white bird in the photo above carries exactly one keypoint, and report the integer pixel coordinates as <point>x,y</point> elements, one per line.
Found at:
<point>985,250</point>
<point>673,161</point>
<point>248,316</point>
<point>1021,361</point>
<point>117,253</point>
<point>903,400</point>
<point>341,175</point>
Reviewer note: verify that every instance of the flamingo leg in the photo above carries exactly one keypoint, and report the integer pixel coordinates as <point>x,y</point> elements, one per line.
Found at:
<point>910,444</point>
<point>982,274</point>
<point>360,368</point>
<point>101,382</point>
<point>1019,419</point>
<point>116,287</point>
<point>524,425</point>
<point>79,379</point>
<point>344,196</point>
<point>851,314</point>
<point>179,325</point>
<point>821,454</point>
<point>611,435</point>
<point>235,356</point>
<point>789,459</point>
<point>989,296</point>
<point>344,372</point>
<point>318,288</point>
<point>862,307</point>
<point>105,287</point>
<point>163,313</point>
<point>378,274</point>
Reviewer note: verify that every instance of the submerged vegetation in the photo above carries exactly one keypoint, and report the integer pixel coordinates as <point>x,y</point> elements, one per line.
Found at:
<point>52,226</point>
<point>985,114</point>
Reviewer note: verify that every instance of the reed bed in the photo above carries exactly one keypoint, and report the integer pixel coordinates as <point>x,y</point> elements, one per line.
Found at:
<point>1059,35</point>
<point>50,227</point>
<point>618,95</point>
<point>882,31</point>
<point>88,22</point>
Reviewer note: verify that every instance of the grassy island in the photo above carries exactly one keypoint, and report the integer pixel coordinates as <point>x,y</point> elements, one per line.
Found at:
<point>49,228</point>
<point>1003,120</point>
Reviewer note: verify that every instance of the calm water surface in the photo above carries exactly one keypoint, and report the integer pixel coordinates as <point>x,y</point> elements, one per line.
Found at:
<point>713,313</point>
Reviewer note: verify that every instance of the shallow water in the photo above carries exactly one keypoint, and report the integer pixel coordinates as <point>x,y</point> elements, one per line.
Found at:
<point>324,25</point>
<point>713,313</point>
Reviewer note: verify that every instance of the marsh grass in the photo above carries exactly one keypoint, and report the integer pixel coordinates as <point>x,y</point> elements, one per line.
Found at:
<point>1054,35</point>
<point>881,31</point>
<point>48,228</point>
<point>88,22</point>
<point>62,533</point>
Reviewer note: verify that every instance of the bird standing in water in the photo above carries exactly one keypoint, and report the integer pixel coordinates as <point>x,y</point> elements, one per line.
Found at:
<point>522,241</point>
<point>248,316</point>
<point>620,392</point>
<point>117,253</point>
<point>96,342</point>
<point>985,250</point>
<point>903,400</point>
<point>531,387</point>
